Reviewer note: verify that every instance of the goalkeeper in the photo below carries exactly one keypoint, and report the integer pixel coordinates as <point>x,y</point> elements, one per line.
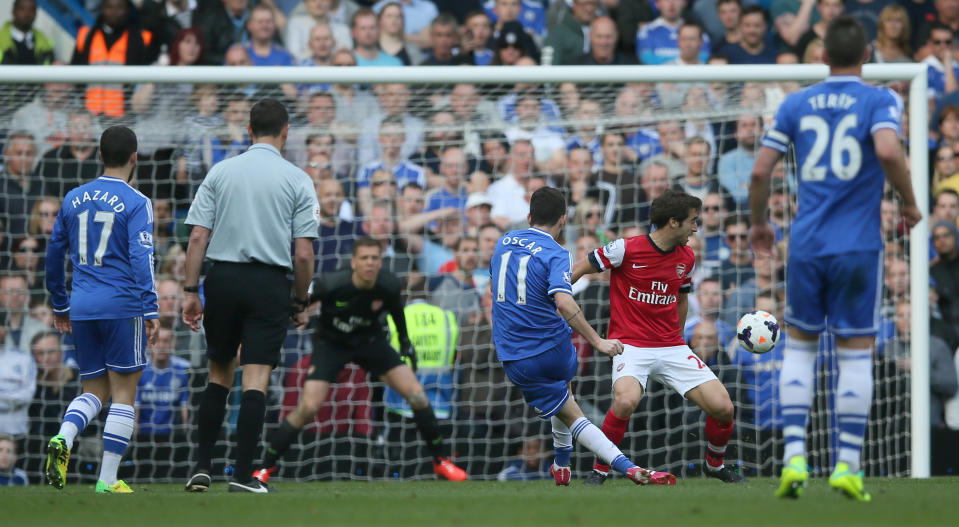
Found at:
<point>351,329</point>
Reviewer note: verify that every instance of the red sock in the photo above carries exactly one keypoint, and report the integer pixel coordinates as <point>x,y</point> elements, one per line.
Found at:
<point>717,436</point>
<point>615,428</point>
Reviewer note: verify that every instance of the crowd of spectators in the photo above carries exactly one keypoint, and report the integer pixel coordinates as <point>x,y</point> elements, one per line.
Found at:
<point>437,174</point>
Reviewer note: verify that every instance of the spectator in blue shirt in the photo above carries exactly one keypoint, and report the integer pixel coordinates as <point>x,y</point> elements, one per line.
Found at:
<point>163,391</point>
<point>366,41</point>
<point>657,41</point>
<point>531,15</point>
<point>736,166</point>
<point>453,171</point>
<point>10,475</point>
<point>940,64</point>
<point>391,138</point>
<point>262,47</point>
<point>755,46</point>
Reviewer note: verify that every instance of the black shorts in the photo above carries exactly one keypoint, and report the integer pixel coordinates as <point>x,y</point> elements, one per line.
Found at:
<point>329,357</point>
<point>248,304</point>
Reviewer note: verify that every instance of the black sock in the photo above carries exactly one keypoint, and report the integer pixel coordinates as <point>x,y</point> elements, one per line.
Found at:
<point>284,436</point>
<point>249,425</point>
<point>209,419</point>
<point>429,429</point>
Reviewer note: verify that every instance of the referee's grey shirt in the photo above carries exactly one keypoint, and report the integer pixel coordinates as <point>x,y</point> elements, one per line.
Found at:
<point>254,204</point>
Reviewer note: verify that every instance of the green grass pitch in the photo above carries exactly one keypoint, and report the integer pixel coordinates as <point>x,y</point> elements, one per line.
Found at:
<point>694,501</point>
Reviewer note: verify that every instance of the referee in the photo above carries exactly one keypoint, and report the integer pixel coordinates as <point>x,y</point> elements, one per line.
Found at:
<point>244,214</point>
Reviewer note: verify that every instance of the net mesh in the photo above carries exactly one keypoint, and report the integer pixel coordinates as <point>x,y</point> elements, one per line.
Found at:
<point>398,162</point>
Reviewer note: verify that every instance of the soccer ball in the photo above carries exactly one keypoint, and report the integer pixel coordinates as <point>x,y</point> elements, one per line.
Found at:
<point>758,331</point>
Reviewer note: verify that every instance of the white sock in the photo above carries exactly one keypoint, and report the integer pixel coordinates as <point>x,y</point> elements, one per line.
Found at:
<point>853,401</point>
<point>78,415</point>
<point>591,437</point>
<point>562,437</point>
<point>116,436</point>
<point>796,384</point>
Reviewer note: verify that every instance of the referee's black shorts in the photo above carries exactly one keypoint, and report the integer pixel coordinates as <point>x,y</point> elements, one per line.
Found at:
<point>329,357</point>
<point>248,304</point>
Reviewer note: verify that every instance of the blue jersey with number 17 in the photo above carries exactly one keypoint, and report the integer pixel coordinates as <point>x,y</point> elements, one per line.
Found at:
<point>830,125</point>
<point>528,267</point>
<point>106,227</point>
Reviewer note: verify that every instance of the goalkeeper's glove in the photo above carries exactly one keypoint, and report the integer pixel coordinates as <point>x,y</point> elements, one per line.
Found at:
<point>407,352</point>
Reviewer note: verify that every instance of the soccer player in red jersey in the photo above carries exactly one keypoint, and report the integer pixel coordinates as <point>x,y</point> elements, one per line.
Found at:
<point>648,298</point>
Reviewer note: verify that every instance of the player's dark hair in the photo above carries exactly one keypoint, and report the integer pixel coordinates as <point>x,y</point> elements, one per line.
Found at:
<point>268,118</point>
<point>845,42</point>
<point>117,144</point>
<point>366,241</point>
<point>672,204</point>
<point>546,206</point>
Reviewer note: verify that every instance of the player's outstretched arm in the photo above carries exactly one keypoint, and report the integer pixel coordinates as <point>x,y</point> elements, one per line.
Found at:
<point>571,311</point>
<point>761,235</point>
<point>891,157</point>
<point>582,267</point>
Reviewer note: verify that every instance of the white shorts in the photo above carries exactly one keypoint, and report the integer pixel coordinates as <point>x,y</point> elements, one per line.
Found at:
<point>676,366</point>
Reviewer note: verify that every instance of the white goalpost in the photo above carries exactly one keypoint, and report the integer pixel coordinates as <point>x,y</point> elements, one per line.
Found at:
<point>430,93</point>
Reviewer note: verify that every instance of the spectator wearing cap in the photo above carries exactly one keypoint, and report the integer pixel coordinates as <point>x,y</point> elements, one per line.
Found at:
<point>945,271</point>
<point>569,38</point>
<point>602,46</point>
<point>478,208</point>
<point>453,171</point>
<point>512,44</point>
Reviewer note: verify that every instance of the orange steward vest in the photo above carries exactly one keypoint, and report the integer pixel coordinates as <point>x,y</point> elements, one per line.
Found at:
<point>106,99</point>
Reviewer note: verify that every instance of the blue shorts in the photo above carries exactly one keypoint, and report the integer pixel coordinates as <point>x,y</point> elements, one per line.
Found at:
<point>115,344</point>
<point>841,293</point>
<point>544,379</point>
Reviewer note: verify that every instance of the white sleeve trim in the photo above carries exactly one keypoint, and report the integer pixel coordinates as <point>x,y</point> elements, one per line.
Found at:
<point>884,124</point>
<point>775,145</point>
<point>777,136</point>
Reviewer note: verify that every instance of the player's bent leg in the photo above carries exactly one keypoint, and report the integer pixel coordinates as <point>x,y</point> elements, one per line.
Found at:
<point>311,399</point>
<point>593,438</point>
<point>713,398</point>
<point>402,379</point>
<point>627,392</point>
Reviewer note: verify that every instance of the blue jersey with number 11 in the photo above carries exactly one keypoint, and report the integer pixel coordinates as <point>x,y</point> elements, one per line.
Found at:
<point>528,267</point>
<point>830,125</point>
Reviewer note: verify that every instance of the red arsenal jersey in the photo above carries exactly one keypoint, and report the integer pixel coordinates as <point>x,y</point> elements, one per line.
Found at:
<point>644,288</point>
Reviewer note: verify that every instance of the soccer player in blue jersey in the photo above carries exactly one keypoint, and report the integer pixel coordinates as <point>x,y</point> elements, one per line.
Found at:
<point>530,276</point>
<point>845,135</point>
<point>106,227</point>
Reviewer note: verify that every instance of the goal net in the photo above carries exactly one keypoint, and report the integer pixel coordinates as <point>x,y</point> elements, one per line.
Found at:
<point>437,164</point>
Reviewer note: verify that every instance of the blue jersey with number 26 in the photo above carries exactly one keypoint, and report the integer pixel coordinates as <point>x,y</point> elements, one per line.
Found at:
<point>528,267</point>
<point>830,125</point>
